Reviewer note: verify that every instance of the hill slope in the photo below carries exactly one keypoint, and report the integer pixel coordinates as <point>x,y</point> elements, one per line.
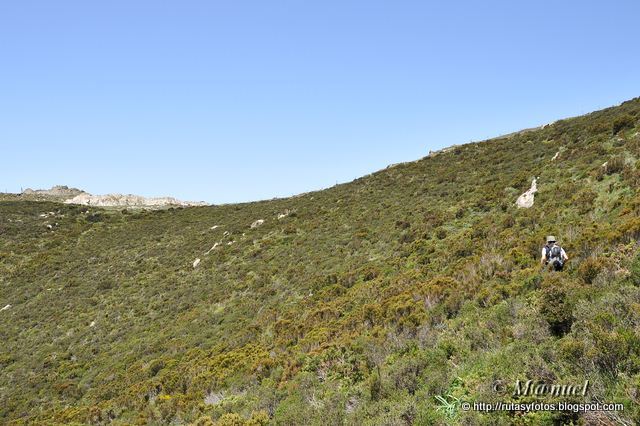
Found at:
<point>380,301</point>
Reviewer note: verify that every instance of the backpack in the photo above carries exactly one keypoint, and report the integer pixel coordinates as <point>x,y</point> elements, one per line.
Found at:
<point>553,253</point>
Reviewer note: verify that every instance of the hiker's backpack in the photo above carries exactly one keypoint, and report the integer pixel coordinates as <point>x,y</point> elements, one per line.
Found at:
<point>553,253</point>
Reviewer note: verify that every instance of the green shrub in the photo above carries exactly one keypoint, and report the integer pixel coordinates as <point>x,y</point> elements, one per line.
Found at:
<point>555,306</point>
<point>616,351</point>
<point>231,419</point>
<point>622,123</point>
<point>261,418</point>
<point>600,127</point>
<point>375,385</point>
<point>155,367</point>
<point>590,268</point>
<point>405,373</point>
<point>372,313</point>
<point>635,270</point>
<point>204,421</point>
<point>571,349</point>
<point>519,257</point>
<point>584,200</point>
<point>615,165</point>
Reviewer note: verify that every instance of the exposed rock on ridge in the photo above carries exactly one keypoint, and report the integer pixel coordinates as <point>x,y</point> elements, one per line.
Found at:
<point>128,200</point>
<point>58,191</point>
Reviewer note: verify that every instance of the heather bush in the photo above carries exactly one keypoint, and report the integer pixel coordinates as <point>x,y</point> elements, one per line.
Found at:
<point>614,165</point>
<point>621,123</point>
<point>555,305</point>
<point>590,268</point>
<point>635,270</point>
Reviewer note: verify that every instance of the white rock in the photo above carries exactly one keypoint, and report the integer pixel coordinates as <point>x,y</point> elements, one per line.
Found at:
<point>5,308</point>
<point>257,223</point>
<point>443,150</point>
<point>231,242</point>
<point>56,191</point>
<point>212,248</point>
<point>213,398</point>
<point>526,200</point>
<point>196,262</point>
<point>214,227</point>
<point>284,214</point>
<point>93,324</point>
<point>128,200</point>
<point>555,157</point>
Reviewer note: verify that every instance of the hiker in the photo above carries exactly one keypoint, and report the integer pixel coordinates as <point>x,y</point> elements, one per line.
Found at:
<point>554,254</point>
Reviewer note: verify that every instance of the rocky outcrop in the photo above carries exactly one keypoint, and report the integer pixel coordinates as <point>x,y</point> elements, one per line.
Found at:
<point>58,191</point>
<point>526,200</point>
<point>284,214</point>
<point>212,248</point>
<point>129,200</point>
<point>77,196</point>
<point>443,150</point>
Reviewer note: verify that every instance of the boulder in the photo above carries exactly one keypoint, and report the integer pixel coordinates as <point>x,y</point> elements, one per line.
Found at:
<point>257,223</point>
<point>526,199</point>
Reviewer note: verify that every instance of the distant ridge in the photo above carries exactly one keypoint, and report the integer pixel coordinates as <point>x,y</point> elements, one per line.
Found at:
<point>129,200</point>
<point>57,191</point>
<point>77,196</point>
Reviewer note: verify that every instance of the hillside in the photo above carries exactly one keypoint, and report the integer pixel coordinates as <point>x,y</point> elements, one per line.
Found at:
<point>381,301</point>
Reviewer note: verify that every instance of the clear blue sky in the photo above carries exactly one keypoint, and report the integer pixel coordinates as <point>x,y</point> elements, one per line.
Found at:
<point>237,100</point>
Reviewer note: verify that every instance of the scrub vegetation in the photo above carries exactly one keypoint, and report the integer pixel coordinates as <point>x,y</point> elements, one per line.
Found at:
<point>387,300</point>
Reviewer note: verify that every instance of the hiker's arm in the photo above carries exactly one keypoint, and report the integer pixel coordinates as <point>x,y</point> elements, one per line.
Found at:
<point>543,259</point>
<point>564,255</point>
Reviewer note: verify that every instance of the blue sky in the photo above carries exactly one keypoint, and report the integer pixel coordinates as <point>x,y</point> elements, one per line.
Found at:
<point>229,101</point>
